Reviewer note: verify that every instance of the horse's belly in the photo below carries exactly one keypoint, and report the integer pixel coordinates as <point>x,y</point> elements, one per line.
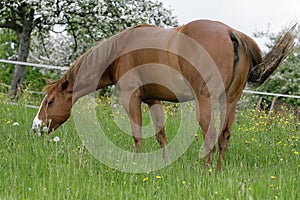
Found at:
<point>165,84</point>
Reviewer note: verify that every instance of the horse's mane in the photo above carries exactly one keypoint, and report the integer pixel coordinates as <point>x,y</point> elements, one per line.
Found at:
<point>51,86</point>
<point>77,64</point>
<point>90,58</point>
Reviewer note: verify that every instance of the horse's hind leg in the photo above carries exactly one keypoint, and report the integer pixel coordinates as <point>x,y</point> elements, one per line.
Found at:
<point>205,114</point>
<point>158,118</point>
<point>132,104</point>
<point>227,118</point>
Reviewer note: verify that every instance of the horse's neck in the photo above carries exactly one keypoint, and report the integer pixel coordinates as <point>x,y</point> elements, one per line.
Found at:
<point>105,79</point>
<point>91,76</point>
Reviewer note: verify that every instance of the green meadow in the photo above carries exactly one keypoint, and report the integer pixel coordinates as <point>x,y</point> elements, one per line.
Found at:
<point>262,161</point>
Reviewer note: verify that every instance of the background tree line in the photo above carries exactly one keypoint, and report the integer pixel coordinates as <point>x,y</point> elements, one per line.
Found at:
<point>57,32</point>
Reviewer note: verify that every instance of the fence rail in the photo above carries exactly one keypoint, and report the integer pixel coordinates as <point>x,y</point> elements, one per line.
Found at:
<point>271,94</point>
<point>34,65</point>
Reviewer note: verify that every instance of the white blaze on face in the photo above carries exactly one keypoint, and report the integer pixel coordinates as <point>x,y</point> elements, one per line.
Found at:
<point>37,123</point>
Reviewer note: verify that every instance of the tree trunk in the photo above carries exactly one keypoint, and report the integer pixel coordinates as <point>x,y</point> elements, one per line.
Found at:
<point>23,51</point>
<point>19,73</point>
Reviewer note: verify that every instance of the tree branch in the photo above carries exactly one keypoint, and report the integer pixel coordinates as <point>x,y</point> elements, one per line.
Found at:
<point>58,31</point>
<point>37,21</point>
<point>44,47</point>
<point>74,36</point>
<point>12,26</point>
<point>7,25</point>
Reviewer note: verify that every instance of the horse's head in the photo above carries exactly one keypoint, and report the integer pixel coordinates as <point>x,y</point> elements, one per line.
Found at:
<point>55,109</point>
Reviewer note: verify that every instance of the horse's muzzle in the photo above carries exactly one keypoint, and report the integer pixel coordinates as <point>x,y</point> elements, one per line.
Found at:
<point>39,127</point>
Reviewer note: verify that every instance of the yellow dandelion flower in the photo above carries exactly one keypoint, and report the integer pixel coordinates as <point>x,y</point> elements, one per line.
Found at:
<point>145,179</point>
<point>247,142</point>
<point>183,182</point>
<point>296,152</point>
<point>158,177</point>
<point>216,193</point>
<point>278,143</point>
<point>273,177</point>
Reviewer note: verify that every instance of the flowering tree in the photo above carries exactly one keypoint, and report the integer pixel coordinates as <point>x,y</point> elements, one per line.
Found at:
<point>85,21</point>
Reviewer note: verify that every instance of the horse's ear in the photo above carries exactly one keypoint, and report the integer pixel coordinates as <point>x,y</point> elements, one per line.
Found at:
<point>64,84</point>
<point>49,81</point>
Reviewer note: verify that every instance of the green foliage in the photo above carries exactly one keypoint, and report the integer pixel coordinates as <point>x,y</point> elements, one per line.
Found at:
<point>9,43</point>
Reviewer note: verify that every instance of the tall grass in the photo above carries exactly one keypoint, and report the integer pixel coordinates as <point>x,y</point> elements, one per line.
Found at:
<point>262,162</point>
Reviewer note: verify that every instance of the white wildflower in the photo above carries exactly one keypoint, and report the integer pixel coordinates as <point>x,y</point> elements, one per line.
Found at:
<point>16,124</point>
<point>45,129</point>
<point>56,139</point>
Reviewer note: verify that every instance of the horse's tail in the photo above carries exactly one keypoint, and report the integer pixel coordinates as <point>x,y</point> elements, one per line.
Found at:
<point>261,68</point>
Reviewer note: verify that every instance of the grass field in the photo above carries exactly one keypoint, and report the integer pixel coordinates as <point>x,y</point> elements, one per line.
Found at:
<point>262,162</point>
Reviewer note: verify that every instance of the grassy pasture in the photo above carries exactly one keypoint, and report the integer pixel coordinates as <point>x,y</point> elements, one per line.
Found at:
<point>262,161</point>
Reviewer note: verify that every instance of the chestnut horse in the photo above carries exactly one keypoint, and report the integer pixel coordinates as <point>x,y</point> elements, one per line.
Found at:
<point>203,60</point>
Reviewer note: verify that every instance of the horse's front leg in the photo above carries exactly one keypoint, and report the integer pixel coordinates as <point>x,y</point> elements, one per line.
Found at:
<point>132,104</point>
<point>158,117</point>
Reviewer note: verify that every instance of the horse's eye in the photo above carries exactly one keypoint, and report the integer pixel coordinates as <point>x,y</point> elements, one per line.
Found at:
<point>50,103</point>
